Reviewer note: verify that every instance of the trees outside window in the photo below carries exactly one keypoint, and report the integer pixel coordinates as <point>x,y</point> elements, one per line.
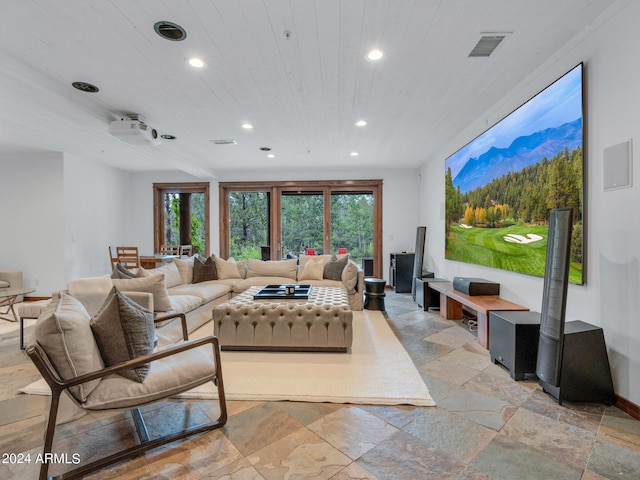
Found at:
<point>278,219</point>
<point>181,215</point>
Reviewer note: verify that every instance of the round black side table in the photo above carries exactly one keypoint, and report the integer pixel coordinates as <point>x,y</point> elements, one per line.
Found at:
<point>374,293</point>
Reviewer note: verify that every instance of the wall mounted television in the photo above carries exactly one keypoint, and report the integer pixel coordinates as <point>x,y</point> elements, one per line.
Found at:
<point>500,187</point>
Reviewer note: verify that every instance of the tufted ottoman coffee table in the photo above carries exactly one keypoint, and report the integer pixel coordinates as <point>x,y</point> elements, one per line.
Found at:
<point>320,323</point>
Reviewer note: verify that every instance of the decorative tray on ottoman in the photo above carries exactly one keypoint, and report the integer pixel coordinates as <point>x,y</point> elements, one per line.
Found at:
<point>283,291</point>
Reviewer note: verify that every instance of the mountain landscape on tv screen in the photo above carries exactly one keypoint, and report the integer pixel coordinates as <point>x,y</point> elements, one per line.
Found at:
<point>523,151</point>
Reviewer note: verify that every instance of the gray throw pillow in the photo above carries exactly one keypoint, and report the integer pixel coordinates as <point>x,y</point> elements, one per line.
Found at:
<point>123,331</point>
<point>123,272</point>
<point>334,267</point>
<point>204,270</point>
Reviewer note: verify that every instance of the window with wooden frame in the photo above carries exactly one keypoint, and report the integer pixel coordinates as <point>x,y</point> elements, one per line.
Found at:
<point>274,220</point>
<point>181,215</point>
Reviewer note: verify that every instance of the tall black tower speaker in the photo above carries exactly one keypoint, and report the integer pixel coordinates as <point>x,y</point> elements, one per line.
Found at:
<point>418,259</point>
<point>572,359</point>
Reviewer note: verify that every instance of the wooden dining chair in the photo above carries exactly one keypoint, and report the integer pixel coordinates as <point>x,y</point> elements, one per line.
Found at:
<point>186,250</point>
<point>113,257</point>
<point>170,249</point>
<point>128,257</point>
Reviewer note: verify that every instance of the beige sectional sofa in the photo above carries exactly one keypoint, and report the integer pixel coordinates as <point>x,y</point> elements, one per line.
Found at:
<point>171,287</point>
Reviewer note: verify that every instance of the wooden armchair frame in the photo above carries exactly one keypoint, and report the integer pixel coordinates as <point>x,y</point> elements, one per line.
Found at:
<point>58,386</point>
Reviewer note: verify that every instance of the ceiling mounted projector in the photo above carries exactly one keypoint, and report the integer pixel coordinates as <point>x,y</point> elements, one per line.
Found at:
<point>133,130</point>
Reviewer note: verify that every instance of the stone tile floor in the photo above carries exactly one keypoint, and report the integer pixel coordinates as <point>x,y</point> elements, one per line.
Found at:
<point>486,426</point>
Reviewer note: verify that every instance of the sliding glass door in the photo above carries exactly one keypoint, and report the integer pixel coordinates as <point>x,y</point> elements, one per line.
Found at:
<point>249,224</point>
<point>302,220</point>
<point>275,220</point>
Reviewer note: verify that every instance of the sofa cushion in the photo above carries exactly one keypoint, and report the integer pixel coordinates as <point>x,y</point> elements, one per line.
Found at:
<point>313,269</point>
<point>334,267</point>
<point>206,291</point>
<point>184,303</point>
<point>123,331</point>
<point>167,376</point>
<point>4,284</point>
<point>64,333</point>
<point>185,267</point>
<point>226,268</point>
<point>204,269</point>
<point>272,268</point>
<point>171,274</point>
<point>152,284</point>
<point>349,277</point>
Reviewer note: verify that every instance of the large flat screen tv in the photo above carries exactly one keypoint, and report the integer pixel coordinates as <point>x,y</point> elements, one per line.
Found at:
<point>501,186</point>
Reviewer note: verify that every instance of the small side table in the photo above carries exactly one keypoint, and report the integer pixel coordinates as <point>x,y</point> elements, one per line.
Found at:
<point>374,293</point>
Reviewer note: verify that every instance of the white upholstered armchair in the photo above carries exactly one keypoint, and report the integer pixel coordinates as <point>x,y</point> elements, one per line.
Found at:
<point>108,362</point>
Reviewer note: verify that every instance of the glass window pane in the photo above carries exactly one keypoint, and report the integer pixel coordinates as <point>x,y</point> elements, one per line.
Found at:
<point>302,223</point>
<point>352,224</point>
<point>248,224</point>
<point>175,209</point>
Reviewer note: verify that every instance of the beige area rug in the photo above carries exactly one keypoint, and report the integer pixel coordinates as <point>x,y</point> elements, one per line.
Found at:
<point>377,371</point>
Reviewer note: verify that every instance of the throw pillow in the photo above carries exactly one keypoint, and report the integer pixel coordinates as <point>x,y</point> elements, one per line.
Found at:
<point>272,268</point>
<point>123,331</point>
<point>226,268</point>
<point>120,271</point>
<point>334,267</point>
<point>312,269</point>
<point>172,277</point>
<point>204,270</point>
<point>153,284</point>
<point>4,284</point>
<point>302,261</point>
<point>64,333</point>
<point>350,277</point>
<point>185,267</point>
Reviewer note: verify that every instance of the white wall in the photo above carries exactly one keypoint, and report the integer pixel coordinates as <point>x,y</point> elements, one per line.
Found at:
<point>59,214</point>
<point>32,219</point>
<point>97,210</point>
<point>610,297</point>
<point>399,217</point>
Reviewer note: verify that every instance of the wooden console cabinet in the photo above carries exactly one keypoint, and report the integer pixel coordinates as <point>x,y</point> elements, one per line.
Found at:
<point>451,302</point>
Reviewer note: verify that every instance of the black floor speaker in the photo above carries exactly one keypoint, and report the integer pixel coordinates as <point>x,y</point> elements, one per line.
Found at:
<point>585,375</point>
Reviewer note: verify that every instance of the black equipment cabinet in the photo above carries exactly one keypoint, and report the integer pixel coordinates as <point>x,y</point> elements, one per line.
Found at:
<point>401,271</point>
<point>514,341</point>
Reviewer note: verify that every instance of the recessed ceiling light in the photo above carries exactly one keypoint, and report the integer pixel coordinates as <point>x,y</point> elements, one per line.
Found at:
<point>354,154</point>
<point>196,62</point>
<point>85,87</point>
<point>271,155</point>
<point>361,123</point>
<point>247,126</point>
<point>375,54</point>
<point>170,31</point>
<point>166,136</point>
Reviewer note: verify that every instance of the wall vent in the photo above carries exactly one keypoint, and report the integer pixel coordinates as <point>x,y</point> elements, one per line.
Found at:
<point>224,142</point>
<point>486,45</point>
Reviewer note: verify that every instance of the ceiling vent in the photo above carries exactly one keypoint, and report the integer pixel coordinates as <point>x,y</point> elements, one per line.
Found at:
<point>224,142</point>
<point>486,45</point>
